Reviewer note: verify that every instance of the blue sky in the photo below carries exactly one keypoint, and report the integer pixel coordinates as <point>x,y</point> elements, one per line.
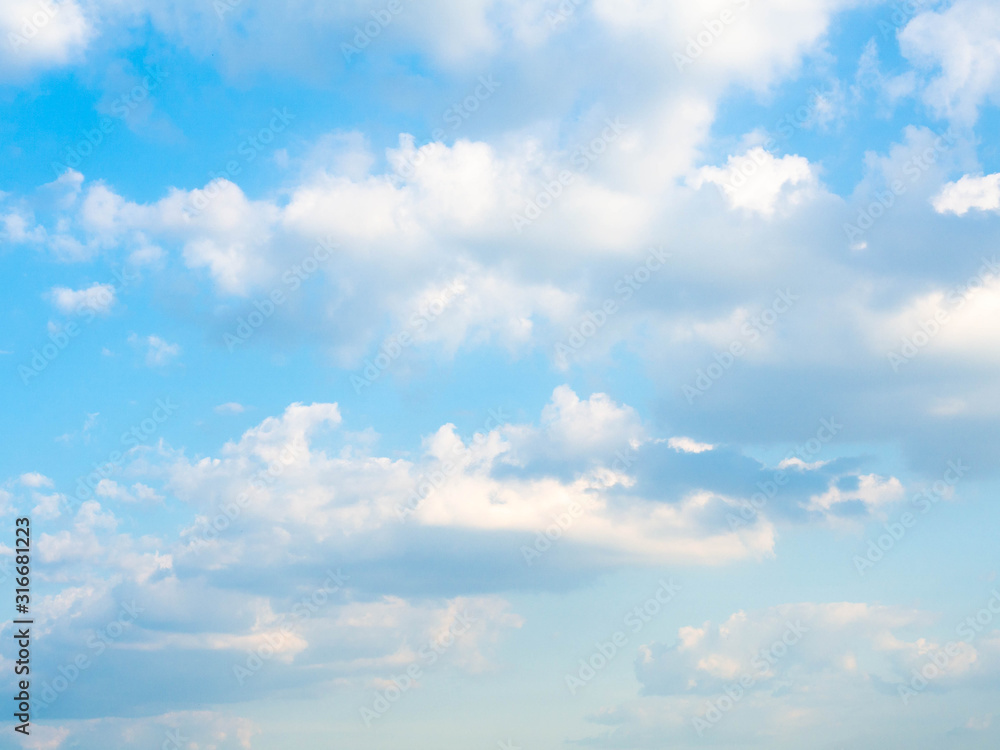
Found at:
<point>503,373</point>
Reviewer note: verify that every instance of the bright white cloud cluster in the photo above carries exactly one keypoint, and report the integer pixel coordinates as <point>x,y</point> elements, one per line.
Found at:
<point>759,182</point>
<point>38,35</point>
<point>488,485</point>
<point>752,42</point>
<point>969,192</point>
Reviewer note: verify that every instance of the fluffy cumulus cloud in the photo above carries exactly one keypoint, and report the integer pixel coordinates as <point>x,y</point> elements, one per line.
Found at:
<point>949,324</point>
<point>588,474</point>
<point>956,46</point>
<point>726,39</point>
<point>420,242</point>
<point>40,35</point>
<point>512,481</point>
<point>757,181</point>
<point>422,265</point>
<point>981,193</point>
<point>34,479</point>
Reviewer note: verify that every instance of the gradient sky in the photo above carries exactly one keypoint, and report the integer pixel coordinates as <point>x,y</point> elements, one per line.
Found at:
<point>519,374</point>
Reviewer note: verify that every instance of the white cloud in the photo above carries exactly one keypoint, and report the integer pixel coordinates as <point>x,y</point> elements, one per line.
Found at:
<point>687,445</point>
<point>219,228</point>
<point>779,670</point>
<point>798,463</point>
<point>18,228</point>
<point>969,192</point>
<point>110,489</point>
<point>158,351</point>
<point>230,408</point>
<point>352,496</point>
<point>442,207</point>
<point>34,479</point>
<point>344,639</point>
<point>872,490</point>
<point>82,544</point>
<point>596,425</point>
<point>960,42</point>
<point>757,181</point>
<point>749,42</point>
<point>704,658</point>
<point>97,298</point>
<point>48,506</point>
<point>39,35</point>
<point>394,233</point>
<point>954,323</point>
